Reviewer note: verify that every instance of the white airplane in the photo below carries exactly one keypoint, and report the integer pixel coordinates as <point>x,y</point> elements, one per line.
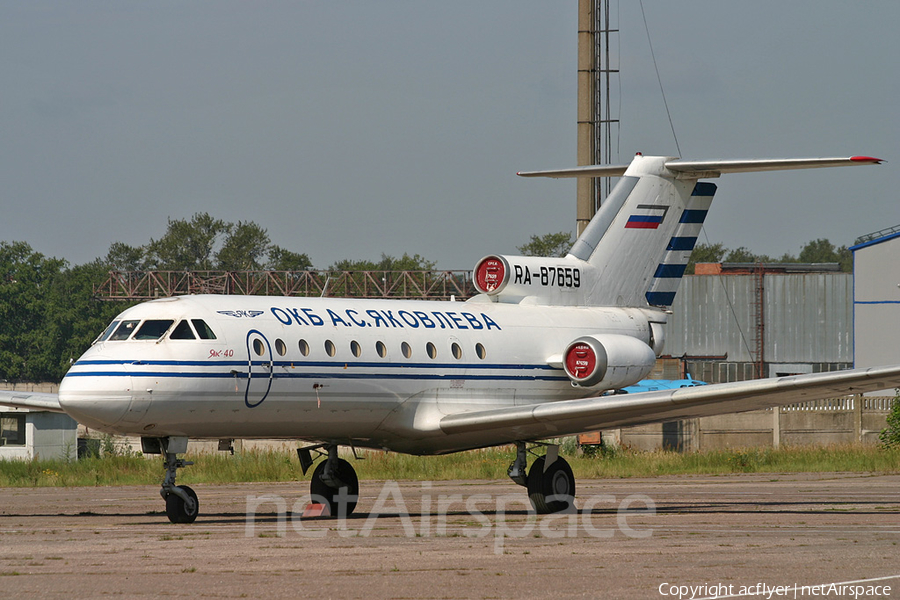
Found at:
<point>525,360</point>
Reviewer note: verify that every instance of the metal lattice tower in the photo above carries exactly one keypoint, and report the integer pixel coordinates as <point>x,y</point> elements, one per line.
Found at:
<point>604,123</point>
<point>595,123</point>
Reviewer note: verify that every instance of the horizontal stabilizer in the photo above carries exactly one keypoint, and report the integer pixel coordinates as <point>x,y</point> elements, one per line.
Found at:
<point>711,168</point>
<point>588,171</point>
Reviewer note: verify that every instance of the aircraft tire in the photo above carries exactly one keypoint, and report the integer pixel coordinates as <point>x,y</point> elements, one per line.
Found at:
<point>321,491</point>
<point>177,509</point>
<point>551,491</point>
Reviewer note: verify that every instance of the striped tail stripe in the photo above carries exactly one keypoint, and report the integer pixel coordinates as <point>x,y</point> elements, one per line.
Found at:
<point>667,277</point>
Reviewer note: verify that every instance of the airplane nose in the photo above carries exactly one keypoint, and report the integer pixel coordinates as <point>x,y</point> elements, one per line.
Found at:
<point>90,402</point>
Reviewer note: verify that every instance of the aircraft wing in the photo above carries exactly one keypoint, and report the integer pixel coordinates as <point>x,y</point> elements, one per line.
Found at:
<point>569,417</point>
<point>33,400</point>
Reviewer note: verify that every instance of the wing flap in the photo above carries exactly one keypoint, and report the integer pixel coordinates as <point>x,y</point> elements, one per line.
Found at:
<point>32,400</point>
<point>569,417</point>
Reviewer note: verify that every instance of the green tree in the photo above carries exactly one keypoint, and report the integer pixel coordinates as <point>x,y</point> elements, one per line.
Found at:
<point>244,247</point>
<point>743,255</point>
<point>354,277</point>
<point>705,253</point>
<point>26,277</point>
<point>122,257</point>
<point>890,436</point>
<point>187,245</point>
<point>74,317</point>
<point>551,244</point>
<point>281,259</point>
<point>823,251</point>
<point>387,263</point>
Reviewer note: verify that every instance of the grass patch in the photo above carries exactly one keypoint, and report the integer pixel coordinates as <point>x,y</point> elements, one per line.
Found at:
<point>261,465</point>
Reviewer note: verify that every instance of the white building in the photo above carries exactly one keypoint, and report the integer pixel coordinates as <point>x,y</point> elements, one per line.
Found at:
<point>876,299</point>
<point>36,434</point>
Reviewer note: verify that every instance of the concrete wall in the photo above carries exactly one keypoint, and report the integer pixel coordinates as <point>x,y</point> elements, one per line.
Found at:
<point>824,422</point>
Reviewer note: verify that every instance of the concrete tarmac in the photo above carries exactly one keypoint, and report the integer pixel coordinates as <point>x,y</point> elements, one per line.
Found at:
<point>631,538</point>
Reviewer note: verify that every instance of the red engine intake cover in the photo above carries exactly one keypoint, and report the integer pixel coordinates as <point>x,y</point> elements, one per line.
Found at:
<point>581,361</point>
<point>490,275</point>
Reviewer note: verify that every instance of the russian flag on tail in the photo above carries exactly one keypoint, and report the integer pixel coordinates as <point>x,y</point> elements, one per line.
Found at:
<point>647,217</point>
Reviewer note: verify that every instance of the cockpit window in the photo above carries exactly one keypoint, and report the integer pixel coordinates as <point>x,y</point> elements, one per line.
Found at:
<point>203,329</point>
<point>153,329</point>
<point>105,335</point>
<point>124,331</point>
<point>182,331</point>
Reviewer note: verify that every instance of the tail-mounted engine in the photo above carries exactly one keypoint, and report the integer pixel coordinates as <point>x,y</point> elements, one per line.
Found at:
<point>561,281</point>
<point>608,361</point>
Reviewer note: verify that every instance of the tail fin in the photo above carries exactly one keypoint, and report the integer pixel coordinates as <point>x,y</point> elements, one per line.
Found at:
<point>638,244</point>
<point>675,260</point>
<point>640,241</point>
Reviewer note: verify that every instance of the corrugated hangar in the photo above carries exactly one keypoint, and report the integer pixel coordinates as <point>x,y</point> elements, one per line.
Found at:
<point>737,321</point>
<point>740,321</point>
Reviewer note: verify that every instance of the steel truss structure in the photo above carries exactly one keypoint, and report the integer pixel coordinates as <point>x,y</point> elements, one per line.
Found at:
<point>428,285</point>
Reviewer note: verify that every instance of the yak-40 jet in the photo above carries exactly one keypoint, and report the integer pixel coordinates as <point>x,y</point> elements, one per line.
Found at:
<point>525,360</point>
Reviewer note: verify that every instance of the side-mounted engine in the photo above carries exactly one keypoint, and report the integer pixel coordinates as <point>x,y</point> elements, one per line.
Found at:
<point>608,361</point>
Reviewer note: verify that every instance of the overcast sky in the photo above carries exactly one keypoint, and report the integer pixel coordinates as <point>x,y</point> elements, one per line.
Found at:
<point>351,129</point>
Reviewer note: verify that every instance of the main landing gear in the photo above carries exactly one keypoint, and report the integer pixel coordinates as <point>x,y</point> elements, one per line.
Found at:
<point>550,481</point>
<point>334,481</point>
<point>182,505</point>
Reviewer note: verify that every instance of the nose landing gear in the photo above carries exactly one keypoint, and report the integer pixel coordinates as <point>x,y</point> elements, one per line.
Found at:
<point>182,505</point>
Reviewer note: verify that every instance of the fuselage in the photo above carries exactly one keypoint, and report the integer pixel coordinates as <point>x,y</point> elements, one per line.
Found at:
<point>369,373</point>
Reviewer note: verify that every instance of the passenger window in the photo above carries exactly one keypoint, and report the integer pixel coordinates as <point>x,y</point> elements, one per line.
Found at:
<point>203,329</point>
<point>431,350</point>
<point>280,347</point>
<point>406,349</point>
<point>304,348</point>
<point>355,348</point>
<point>153,329</point>
<point>182,331</point>
<point>381,349</point>
<point>480,351</point>
<point>259,347</point>
<point>124,331</point>
<point>105,335</point>
<point>456,350</point>
<point>329,347</point>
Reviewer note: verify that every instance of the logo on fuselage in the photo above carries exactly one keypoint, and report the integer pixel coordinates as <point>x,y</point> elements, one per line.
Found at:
<point>241,313</point>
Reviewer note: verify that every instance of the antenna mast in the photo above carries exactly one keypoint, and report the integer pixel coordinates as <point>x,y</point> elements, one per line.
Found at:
<point>595,122</point>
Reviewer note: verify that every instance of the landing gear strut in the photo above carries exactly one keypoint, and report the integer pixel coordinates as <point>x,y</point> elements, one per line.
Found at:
<point>182,505</point>
<point>334,481</point>
<point>550,481</point>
